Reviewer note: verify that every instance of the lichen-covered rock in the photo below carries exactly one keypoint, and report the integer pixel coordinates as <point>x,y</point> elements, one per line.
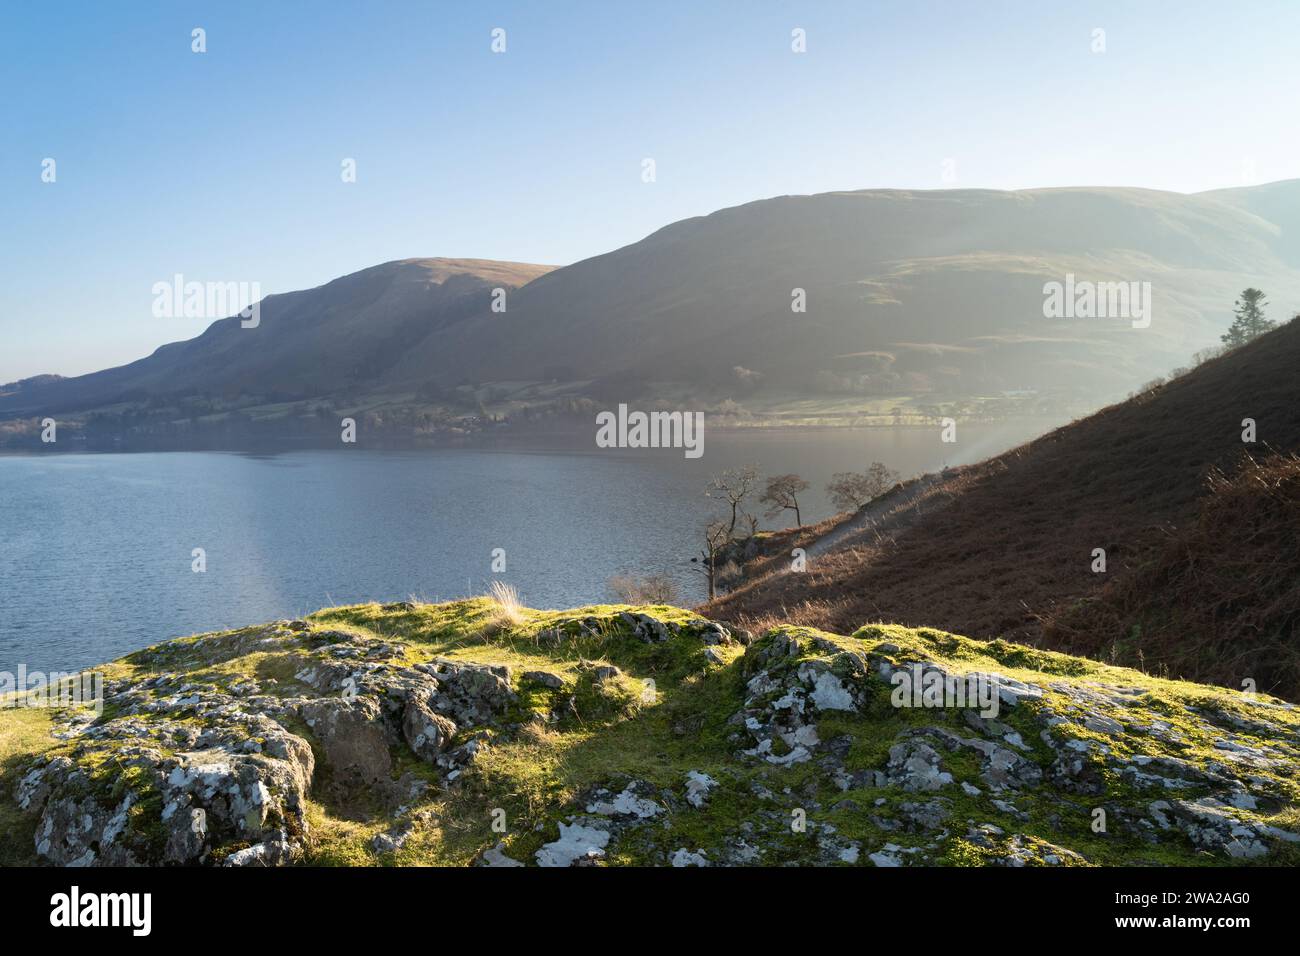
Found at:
<point>684,857</point>
<point>396,836</point>
<point>273,851</point>
<point>426,731</point>
<point>545,678</point>
<point>351,733</point>
<point>141,804</point>
<point>915,766</point>
<point>576,845</point>
<point>183,771</point>
<point>1026,750</point>
<point>495,856</point>
<point>647,628</point>
<point>582,739</point>
<point>710,632</point>
<point>786,696</point>
<point>470,694</point>
<point>698,786</point>
<point>635,801</point>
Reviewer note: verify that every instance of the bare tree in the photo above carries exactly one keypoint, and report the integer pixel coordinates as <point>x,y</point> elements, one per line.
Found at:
<point>1205,355</point>
<point>782,494</point>
<point>716,539</point>
<point>732,487</point>
<point>850,490</point>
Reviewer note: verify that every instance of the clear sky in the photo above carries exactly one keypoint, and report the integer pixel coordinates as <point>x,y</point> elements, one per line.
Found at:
<point>225,165</point>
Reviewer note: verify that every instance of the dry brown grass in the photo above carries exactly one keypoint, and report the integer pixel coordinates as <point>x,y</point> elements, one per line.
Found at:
<point>776,546</point>
<point>807,614</point>
<point>1012,547</point>
<point>1220,601</point>
<point>507,610</point>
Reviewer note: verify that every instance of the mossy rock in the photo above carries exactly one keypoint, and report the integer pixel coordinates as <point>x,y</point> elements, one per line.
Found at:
<point>811,758</point>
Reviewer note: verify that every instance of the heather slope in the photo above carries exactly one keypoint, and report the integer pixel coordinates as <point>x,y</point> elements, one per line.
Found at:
<point>1001,547</point>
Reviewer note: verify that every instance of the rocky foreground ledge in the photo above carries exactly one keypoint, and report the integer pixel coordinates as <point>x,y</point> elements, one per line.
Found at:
<point>472,733</point>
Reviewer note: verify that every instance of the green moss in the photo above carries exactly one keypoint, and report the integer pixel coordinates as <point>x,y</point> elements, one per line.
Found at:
<point>668,711</point>
<point>24,735</point>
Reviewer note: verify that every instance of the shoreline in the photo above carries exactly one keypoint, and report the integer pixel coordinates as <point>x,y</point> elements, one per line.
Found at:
<point>488,440</point>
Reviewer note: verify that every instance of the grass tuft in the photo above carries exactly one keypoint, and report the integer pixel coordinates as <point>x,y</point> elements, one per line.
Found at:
<point>507,611</point>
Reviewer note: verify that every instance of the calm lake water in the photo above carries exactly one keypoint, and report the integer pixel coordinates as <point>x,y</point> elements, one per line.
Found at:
<point>95,550</point>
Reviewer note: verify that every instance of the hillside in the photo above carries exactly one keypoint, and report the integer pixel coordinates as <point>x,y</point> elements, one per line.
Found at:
<point>911,296</point>
<point>1004,548</point>
<point>941,289</point>
<point>314,342</point>
<point>481,733</point>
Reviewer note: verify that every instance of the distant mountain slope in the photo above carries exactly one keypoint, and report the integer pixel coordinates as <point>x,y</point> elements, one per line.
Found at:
<point>946,284</point>
<point>1278,205</point>
<point>312,342</point>
<point>1003,546</point>
<point>907,292</point>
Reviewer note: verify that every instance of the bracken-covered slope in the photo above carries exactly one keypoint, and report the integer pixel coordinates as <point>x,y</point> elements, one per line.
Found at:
<point>1000,548</point>
<point>468,733</point>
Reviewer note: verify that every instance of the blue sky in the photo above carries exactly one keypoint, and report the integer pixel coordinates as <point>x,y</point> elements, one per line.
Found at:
<point>225,166</point>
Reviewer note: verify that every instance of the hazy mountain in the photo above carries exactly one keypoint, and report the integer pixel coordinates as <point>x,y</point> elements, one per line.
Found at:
<point>945,283</point>
<point>307,343</point>
<point>35,381</point>
<point>906,291</point>
<point>1278,204</point>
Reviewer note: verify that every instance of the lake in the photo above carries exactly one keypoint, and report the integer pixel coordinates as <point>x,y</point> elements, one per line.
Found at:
<point>95,550</point>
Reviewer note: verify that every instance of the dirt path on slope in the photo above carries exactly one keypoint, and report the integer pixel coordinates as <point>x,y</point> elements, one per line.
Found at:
<point>890,513</point>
